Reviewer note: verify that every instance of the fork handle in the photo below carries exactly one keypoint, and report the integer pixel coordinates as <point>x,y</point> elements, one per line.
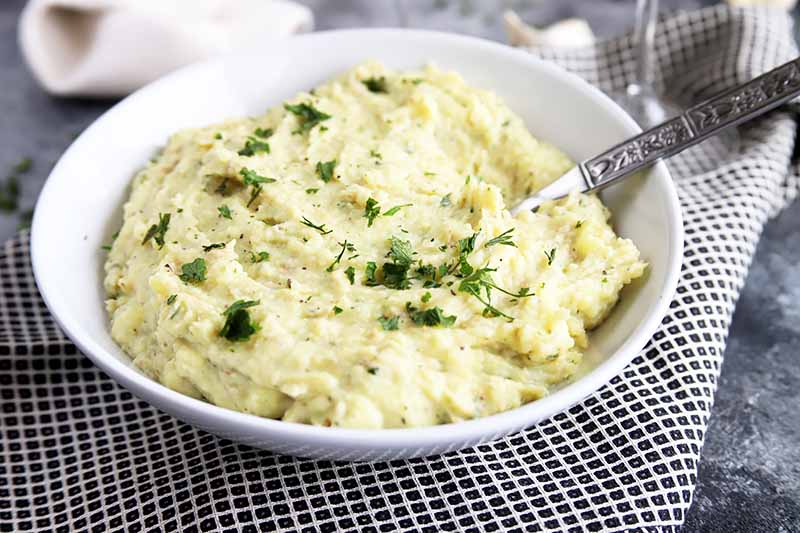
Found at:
<point>728,109</point>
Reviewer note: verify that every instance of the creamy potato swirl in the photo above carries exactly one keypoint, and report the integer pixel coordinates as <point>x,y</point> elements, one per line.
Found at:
<point>348,258</point>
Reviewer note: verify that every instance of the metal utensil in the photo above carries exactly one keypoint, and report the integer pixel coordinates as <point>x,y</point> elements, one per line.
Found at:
<point>728,109</point>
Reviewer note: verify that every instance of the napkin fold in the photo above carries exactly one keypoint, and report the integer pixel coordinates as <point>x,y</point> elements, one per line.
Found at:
<point>100,48</point>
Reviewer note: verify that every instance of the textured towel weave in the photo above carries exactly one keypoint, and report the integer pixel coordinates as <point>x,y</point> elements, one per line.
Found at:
<point>79,453</point>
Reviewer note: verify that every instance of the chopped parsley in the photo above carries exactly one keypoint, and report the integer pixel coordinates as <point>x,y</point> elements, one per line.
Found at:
<point>171,299</point>
<point>254,179</point>
<point>395,209</point>
<point>445,201</point>
<point>307,115</point>
<point>503,238</point>
<point>429,317</point>
<point>194,272</point>
<point>213,246</point>
<point>337,310</point>
<point>238,324</point>
<point>578,224</point>
<point>254,146</point>
<point>348,246</point>
<point>481,280</point>
<point>389,323</point>
<point>395,274</point>
<point>371,211</point>
<point>426,297</point>
<point>376,85</point>
<point>250,177</point>
<point>218,136</point>
<point>376,155</point>
<point>320,228</point>
<point>107,247</point>
<point>158,231</point>
<point>263,133</point>
<point>351,274</point>
<point>369,273</point>
<point>225,212</point>
<point>550,256</point>
<point>325,170</point>
<point>312,191</point>
<point>373,370</point>
<point>259,257</point>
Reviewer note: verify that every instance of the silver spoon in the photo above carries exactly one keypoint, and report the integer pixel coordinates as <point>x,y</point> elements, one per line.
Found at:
<point>726,110</point>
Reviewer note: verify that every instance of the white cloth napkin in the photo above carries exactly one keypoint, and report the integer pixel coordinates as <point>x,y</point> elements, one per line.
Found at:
<point>112,47</point>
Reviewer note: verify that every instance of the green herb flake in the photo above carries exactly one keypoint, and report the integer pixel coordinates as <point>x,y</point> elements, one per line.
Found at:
<point>389,323</point>
<point>373,369</point>
<point>504,238</point>
<point>432,317</point>
<point>107,247</point>
<point>371,211</point>
<point>263,133</point>
<point>312,191</point>
<point>171,299</point>
<point>218,136</point>
<point>376,155</point>
<point>345,246</point>
<point>337,310</point>
<point>426,297</point>
<point>395,209</point>
<point>578,224</point>
<point>194,272</point>
<point>238,324</point>
<point>551,255</point>
<point>369,273</point>
<point>213,246</point>
<point>259,257</point>
<point>400,251</point>
<point>320,228</point>
<point>225,212</point>
<point>158,231</point>
<point>351,274</point>
<point>251,177</point>
<point>254,146</point>
<point>376,85</point>
<point>446,201</point>
<point>325,170</point>
<point>307,115</point>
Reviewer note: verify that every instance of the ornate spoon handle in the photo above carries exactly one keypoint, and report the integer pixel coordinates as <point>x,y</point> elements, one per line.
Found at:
<point>730,108</point>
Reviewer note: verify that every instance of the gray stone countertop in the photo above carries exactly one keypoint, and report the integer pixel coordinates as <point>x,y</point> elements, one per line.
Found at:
<point>749,477</point>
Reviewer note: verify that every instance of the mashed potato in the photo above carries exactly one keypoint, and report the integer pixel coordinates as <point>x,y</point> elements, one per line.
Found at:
<point>348,258</point>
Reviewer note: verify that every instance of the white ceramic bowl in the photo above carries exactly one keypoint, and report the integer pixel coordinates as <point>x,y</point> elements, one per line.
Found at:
<point>80,207</point>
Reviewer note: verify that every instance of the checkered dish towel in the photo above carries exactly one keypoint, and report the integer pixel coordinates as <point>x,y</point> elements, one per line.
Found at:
<point>79,453</point>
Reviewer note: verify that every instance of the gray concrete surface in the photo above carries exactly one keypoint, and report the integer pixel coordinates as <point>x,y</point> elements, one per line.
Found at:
<point>749,478</point>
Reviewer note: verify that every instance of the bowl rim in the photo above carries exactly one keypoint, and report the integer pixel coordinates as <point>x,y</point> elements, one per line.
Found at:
<point>473,430</point>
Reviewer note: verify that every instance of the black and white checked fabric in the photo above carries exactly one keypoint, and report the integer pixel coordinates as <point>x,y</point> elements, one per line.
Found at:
<point>79,453</point>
